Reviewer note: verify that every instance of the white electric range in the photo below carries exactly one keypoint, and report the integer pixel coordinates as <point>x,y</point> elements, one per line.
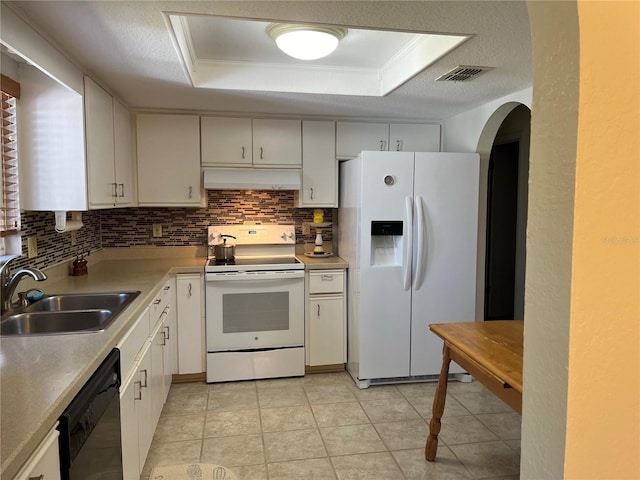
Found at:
<point>254,304</point>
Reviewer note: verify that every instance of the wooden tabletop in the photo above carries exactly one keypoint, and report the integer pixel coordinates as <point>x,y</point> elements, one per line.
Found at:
<point>495,344</point>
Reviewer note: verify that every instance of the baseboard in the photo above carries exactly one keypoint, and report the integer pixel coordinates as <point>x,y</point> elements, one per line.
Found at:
<point>338,367</point>
<point>189,378</point>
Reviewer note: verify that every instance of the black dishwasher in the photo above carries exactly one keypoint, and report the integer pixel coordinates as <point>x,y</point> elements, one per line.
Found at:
<point>90,442</point>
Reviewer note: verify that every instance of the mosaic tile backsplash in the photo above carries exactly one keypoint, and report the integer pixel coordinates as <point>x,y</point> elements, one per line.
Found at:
<point>56,247</point>
<point>187,226</point>
<point>126,227</point>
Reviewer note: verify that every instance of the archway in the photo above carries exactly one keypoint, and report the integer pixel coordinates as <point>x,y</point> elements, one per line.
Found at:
<point>484,148</point>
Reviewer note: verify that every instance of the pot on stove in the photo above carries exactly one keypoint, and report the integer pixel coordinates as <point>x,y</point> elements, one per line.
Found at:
<point>223,251</point>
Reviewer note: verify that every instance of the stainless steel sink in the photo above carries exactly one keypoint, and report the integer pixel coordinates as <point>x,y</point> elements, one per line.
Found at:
<point>81,301</point>
<point>66,314</point>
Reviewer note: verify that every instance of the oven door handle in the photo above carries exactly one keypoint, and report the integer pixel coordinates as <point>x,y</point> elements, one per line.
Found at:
<point>254,276</point>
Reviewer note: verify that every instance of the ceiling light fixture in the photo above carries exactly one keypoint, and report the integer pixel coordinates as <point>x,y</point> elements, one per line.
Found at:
<point>305,42</point>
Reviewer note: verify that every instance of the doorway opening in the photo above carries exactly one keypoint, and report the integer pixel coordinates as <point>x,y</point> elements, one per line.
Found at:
<point>507,189</point>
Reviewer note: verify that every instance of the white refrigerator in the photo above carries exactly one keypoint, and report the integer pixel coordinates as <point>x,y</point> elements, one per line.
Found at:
<point>408,226</point>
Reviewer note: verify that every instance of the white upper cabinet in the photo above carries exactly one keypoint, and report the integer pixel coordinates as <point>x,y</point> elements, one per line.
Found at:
<point>52,162</point>
<point>319,165</point>
<point>226,142</point>
<point>169,160</point>
<point>243,142</point>
<point>277,143</point>
<point>98,107</point>
<point>354,137</point>
<point>123,152</point>
<point>413,137</point>
<point>108,147</point>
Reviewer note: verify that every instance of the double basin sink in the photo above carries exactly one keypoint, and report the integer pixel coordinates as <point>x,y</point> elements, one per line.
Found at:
<point>67,314</point>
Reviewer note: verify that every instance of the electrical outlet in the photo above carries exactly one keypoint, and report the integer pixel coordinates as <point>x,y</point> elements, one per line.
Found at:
<point>157,230</point>
<point>32,247</point>
<point>306,229</point>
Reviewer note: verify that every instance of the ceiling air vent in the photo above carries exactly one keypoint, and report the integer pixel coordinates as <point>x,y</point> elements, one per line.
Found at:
<point>463,73</point>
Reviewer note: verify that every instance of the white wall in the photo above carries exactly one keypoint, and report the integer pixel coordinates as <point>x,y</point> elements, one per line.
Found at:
<point>475,131</point>
<point>30,45</point>
<point>8,66</point>
<point>461,133</point>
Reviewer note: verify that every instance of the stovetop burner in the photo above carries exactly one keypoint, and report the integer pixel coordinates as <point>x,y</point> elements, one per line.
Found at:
<point>255,263</point>
<point>257,248</point>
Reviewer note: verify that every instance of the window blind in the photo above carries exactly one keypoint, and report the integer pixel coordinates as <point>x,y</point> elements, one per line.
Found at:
<point>9,207</point>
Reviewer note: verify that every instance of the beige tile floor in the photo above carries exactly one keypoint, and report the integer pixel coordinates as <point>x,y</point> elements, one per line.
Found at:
<point>323,427</point>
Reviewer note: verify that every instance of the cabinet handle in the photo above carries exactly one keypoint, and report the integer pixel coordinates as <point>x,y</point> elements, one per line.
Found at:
<point>168,287</point>
<point>243,153</point>
<point>157,301</point>
<point>399,145</point>
<point>383,145</point>
<point>139,390</point>
<point>311,193</point>
<point>164,338</point>
<point>39,477</point>
<point>318,310</point>
<point>145,379</point>
<point>189,292</point>
<point>190,192</point>
<point>261,152</point>
<point>168,337</point>
<point>327,278</point>
<point>121,185</point>
<point>115,189</point>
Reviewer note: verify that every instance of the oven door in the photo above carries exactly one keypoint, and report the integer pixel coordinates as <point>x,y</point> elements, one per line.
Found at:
<point>254,310</point>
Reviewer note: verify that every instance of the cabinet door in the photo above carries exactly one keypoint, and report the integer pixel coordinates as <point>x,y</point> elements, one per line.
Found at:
<point>326,335</point>
<point>406,137</point>
<point>44,463</point>
<point>143,406</point>
<point>226,141</point>
<point>167,355</point>
<point>353,137</point>
<point>129,394</point>
<point>168,160</point>
<point>157,374</point>
<point>171,326</point>
<point>98,106</point>
<point>319,165</point>
<point>123,154</point>
<point>190,338</point>
<point>277,143</point>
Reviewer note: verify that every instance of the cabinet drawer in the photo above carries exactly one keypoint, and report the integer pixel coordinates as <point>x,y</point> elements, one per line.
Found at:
<point>132,342</point>
<point>159,303</point>
<point>326,281</point>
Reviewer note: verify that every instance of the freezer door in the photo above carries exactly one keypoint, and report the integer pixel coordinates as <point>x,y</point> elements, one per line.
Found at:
<point>446,234</point>
<point>384,296</point>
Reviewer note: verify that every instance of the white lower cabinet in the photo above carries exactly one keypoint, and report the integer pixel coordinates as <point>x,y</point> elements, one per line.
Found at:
<point>326,318</point>
<point>129,395</point>
<point>44,463</point>
<point>146,364</point>
<point>190,313</point>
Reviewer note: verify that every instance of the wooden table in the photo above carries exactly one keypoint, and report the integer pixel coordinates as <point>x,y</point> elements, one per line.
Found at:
<point>491,351</point>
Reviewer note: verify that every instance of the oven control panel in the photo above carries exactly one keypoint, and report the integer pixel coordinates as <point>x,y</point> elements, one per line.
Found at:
<point>253,234</point>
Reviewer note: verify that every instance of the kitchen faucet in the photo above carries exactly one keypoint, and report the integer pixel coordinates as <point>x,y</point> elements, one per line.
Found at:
<point>8,283</point>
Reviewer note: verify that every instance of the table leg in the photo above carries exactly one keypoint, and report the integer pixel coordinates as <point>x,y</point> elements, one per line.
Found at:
<point>438,407</point>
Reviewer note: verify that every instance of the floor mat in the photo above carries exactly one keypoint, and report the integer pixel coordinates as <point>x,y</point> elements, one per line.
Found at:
<point>192,471</point>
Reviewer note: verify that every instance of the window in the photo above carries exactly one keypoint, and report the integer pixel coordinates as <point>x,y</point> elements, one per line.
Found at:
<point>9,206</point>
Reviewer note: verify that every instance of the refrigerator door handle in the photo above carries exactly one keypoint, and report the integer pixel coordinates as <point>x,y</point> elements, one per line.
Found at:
<point>408,253</point>
<point>421,247</point>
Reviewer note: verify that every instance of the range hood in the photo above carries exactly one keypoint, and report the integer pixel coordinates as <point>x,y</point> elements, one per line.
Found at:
<point>251,179</point>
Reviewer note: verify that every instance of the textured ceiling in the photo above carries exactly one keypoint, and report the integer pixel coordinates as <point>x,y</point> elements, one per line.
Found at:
<point>127,47</point>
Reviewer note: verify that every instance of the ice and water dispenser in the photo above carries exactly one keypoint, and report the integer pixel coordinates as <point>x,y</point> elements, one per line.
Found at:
<point>386,242</point>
